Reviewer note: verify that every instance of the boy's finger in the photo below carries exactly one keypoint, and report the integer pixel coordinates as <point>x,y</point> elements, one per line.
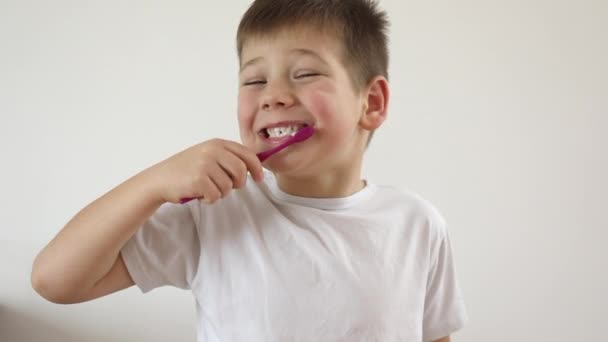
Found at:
<point>235,167</point>
<point>223,182</point>
<point>246,155</point>
<point>210,191</point>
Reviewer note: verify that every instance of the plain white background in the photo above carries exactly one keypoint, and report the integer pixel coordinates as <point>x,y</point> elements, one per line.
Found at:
<point>499,116</point>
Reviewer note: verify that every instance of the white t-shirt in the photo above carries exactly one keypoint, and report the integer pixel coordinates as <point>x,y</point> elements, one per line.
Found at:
<point>264,265</point>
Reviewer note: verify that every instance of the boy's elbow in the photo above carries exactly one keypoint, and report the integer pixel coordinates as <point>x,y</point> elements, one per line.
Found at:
<point>47,286</point>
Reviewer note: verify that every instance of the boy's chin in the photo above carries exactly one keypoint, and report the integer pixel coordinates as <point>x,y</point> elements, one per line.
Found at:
<point>288,165</point>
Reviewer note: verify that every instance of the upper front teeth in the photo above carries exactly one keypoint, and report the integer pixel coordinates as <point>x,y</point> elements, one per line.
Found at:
<point>277,132</point>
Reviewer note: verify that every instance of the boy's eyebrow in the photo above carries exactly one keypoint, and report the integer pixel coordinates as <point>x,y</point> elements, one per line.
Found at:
<point>307,52</point>
<point>250,62</point>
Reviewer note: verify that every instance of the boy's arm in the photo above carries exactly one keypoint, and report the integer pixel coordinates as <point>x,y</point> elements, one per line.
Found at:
<point>83,261</point>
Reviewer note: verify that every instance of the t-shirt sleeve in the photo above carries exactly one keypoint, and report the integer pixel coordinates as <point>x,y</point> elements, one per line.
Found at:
<point>444,309</point>
<point>164,250</point>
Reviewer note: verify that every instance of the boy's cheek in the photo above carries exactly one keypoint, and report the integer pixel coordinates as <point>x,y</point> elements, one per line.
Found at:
<point>245,112</point>
<point>247,135</point>
<point>245,123</point>
<point>321,106</point>
<point>246,103</point>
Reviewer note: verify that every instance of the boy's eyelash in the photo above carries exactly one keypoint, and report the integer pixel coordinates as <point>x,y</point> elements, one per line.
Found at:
<point>254,82</point>
<point>308,74</point>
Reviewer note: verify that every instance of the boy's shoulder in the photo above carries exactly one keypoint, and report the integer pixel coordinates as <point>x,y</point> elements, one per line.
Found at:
<point>411,204</point>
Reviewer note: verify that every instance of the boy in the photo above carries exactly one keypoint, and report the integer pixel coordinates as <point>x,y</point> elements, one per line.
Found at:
<point>302,251</point>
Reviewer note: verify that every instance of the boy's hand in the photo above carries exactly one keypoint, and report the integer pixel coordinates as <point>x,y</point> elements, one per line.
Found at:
<point>208,171</point>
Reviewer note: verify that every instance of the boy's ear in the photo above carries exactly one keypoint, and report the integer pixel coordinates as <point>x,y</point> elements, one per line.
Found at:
<point>375,103</point>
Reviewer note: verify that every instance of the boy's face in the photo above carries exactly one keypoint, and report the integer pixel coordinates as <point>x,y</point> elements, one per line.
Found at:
<point>295,78</point>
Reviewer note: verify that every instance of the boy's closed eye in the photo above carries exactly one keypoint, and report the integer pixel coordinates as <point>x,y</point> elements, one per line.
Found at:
<point>297,76</point>
<point>304,74</point>
<point>247,83</point>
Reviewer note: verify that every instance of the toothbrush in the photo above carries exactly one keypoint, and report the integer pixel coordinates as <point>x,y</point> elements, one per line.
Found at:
<point>296,137</point>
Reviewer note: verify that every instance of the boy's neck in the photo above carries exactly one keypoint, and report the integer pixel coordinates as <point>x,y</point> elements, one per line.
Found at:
<point>322,185</point>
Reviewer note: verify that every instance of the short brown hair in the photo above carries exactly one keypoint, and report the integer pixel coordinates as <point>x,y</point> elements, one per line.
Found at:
<point>359,24</point>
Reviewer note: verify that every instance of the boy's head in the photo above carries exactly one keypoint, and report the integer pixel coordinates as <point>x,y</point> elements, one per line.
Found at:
<point>359,26</point>
<point>313,62</point>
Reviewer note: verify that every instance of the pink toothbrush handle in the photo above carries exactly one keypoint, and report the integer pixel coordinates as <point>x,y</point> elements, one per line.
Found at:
<point>266,154</point>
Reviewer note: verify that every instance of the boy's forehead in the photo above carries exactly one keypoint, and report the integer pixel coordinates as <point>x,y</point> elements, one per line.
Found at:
<point>298,40</point>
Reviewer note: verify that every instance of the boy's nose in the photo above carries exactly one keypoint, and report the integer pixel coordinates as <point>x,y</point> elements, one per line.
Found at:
<point>276,98</point>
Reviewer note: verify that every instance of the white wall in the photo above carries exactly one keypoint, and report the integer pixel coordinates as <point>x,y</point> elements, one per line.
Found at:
<point>499,117</point>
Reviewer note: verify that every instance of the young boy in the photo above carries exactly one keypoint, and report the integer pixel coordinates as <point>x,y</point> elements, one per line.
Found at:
<point>300,250</point>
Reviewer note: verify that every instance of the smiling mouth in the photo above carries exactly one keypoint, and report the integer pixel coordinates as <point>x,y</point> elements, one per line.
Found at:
<point>277,132</point>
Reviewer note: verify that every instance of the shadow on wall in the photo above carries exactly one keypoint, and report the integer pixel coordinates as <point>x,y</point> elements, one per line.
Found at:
<point>17,326</point>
